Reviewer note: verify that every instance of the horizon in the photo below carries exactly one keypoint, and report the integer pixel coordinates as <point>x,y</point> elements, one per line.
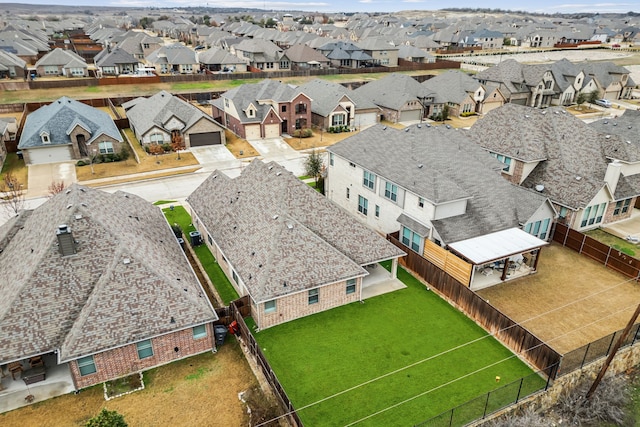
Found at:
<point>364,6</point>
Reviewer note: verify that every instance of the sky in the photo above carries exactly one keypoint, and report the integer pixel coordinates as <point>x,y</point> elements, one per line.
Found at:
<point>328,6</point>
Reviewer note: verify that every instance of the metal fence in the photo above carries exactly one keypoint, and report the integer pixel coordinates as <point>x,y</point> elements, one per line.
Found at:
<point>492,402</point>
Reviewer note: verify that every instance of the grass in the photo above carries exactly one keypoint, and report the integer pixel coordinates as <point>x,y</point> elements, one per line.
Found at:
<point>123,385</point>
<point>615,242</point>
<point>397,359</point>
<point>317,139</point>
<point>226,291</point>
<point>163,202</point>
<point>239,147</point>
<point>17,167</point>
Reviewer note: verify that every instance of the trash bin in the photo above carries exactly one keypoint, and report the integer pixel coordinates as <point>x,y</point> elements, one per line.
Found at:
<point>196,238</point>
<point>220,332</point>
<point>181,242</point>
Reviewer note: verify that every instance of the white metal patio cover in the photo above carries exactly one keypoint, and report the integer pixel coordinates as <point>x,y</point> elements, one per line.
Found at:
<point>496,246</point>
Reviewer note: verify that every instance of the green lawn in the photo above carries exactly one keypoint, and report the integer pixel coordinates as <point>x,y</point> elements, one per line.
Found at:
<point>615,242</point>
<point>397,359</point>
<point>181,217</point>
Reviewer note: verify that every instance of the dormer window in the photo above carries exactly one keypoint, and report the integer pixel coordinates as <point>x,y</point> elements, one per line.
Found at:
<point>45,138</point>
<point>251,112</point>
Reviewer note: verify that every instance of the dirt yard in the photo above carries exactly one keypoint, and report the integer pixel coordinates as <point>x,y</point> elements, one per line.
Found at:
<point>198,391</point>
<point>571,301</point>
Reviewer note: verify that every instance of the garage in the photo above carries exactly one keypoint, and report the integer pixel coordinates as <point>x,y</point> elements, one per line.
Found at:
<point>272,131</point>
<point>60,153</point>
<point>205,138</point>
<point>366,119</point>
<point>252,132</point>
<point>410,115</point>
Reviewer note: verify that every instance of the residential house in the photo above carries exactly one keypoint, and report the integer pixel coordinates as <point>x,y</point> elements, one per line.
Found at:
<point>259,224</point>
<point>586,171</point>
<point>613,81</point>
<point>115,62</point>
<point>488,39</point>
<point>345,55</point>
<point>400,97</point>
<point>263,110</point>
<point>95,287</point>
<point>164,118</point>
<point>12,66</point>
<point>62,62</point>
<point>463,95</point>
<point>303,57</point>
<point>175,59</point>
<point>262,55</point>
<point>414,54</point>
<point>382,52</point>
<point>67,130</point>
<point>333,105</point>
<point>139,44</point>
<point>216,59</point>
<point>436,188</point>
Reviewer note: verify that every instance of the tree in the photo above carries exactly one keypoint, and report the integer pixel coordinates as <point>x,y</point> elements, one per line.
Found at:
<point>313,166</point>
<point>107,419</point>
<point>55,187</point>
<point>145,22</point>
<point>593,96</point>
<point>156,149</point>
<point>12,193</point>
<point>581,99</point>
<point>177,144</point>
<point>445,112</point>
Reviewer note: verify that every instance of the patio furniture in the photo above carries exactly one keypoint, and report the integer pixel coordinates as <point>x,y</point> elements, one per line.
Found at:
<point>36,361</point>
<point>34,375</point>
<point>15,367</point>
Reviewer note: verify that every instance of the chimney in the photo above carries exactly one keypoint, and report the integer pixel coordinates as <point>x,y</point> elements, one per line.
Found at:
<point>66,244</point>
<point>612,175</point>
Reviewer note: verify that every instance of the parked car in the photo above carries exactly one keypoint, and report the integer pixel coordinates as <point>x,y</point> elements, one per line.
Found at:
<point>603,103</point>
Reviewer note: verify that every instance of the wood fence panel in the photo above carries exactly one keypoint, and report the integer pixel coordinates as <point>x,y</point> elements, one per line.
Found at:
<point>445,260</point>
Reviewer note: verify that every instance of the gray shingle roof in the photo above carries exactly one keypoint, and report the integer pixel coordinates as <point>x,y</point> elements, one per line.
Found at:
<point>216,56</point>
<point>127,280</point>
<point>452,86</point>
<point>274,229</point>
<point>115,57</point>
<point>393,91</point>
<point>258,94</point>
<point>56,119</point>
<point>453,168</point>
<point>61,57</point>
<point>326,96</point>
<point>175,54</point>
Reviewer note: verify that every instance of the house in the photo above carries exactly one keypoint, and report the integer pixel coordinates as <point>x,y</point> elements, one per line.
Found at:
<point>62,62</point>
<point>261,54</point>
<point>95,287</point>
<point>436,188</point>
<point>346,55</point>
<point>115,62</point>
<point>382,53</point>
<point>263,110</point>
<point>259,225</point>
<point>216,59</point>
<point>12,66</point>
<point>164,118</point>
<point>414,54</point>
<point>589,172</point>
<point>400,97</point>
<point>303,57</point>
<point>463,94</point>
<point>174,58</point>
<point>68,130</point>
<point>139,44</point>
<point>613,81</point>
<point>334,105</point>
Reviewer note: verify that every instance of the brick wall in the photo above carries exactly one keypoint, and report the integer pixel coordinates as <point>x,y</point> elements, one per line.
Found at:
<point>123,361</point>
<point>608,214</point>
<point>516,174</point>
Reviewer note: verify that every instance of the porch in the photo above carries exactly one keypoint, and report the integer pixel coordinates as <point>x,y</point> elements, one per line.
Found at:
<point>379,281</point>
<point>45,382</point>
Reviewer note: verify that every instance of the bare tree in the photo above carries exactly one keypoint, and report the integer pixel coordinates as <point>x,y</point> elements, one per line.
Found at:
<point>12,193</point>
<point>177,144</point>
<point>55,187</point>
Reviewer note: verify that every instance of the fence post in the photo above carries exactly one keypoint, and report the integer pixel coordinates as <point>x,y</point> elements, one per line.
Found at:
<point>613,337</point>
<point>607,258</point>
<point>566,235</point>
<point>635,335</point>
<point>586,351</point>
<point>451,417</point>
<point>520,389</point>
<point>584,237</point>
<point>486,403</point>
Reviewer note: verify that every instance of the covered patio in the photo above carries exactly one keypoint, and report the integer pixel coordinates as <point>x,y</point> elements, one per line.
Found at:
<point>380,281</point>
<point>500,256</point>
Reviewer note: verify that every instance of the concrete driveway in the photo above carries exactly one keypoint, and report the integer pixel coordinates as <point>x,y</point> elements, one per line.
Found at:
<point>274,149</point>
<point>41,176</point>
<point>214,157</point>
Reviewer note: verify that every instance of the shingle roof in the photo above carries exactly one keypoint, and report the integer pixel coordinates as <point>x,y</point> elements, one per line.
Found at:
<point>127,281</point>
<point>393,91</point>
<point>302,53</point>
<point>326,95</point>
<point>56,119</point>
<point>274,229</point>
<point>452,86</point>
<point>61,57</point>
<point>257,94</point>
<point>215,56</point>
<point>175,54</point>
<point>441,165</point>
<point>115,57</point>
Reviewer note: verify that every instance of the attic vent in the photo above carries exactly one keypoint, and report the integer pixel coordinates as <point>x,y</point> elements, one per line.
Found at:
<point>607,136</point>
<point>66,244</point>
<point>540,188</point>
<point>407,129</point>
<point>126,261</point>
<point>275,217</point>
<point>526,116</point>
<point>420,166</point>
<point>78,216</point>
<point>278,173</point>
<point>290,226</point>
<point>578,178</point>
<point>384,128</point>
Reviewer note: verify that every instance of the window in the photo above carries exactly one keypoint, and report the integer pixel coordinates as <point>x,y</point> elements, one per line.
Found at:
<point>145,45</point>
<point>377,211</point>
<point>105,147</point>
<point>226,102</point>
<point>504,159</point>
<point>351,286</point>
<point>145,349</point>
<point>86,365</point>
<point>411,239</point>
<point>420,202</point>
<point>156,138</point>
<point>593,215</point>
<point>563,212</point>
<point>234,276</point>
<point>45,138</point>
<point>313,296</point>
<point>187,68</point>
<point>391,191</point>
<point>270,306</point>
<point>284,109</point>
<point>544,229</point>
<point>77,71</point>
<point>348,192</point>
<point>301,108</point>
<point>622,206</point>
<point>338,120</point>
<point>363,205</point>
<point>199,331</point>
<point>51,70</point>
<point>353,165</point>
<point>269,65</point>
<point>330,159</point>
<point>284,64</point>
<point>369,180</point>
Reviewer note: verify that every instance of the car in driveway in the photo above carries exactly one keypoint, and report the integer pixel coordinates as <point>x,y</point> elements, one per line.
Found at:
<point>603,103</point>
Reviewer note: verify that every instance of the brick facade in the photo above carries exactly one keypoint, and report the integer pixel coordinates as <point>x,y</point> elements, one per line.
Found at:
<point>290,115</point>
<point>516,173</point>
<point>123,361</point>
<point>609,217</point>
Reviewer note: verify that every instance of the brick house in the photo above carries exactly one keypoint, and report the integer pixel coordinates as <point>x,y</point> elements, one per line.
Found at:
<point>97,286</point>
<point>282,243</point>
<point>591,173</point>
<point>67,130</point>
<point>263,110</point>
<point>62,62</point>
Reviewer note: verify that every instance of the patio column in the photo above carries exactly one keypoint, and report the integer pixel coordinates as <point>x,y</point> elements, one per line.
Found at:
<point>535,263</point>
<point>505,269</point>
<point>394,268</point>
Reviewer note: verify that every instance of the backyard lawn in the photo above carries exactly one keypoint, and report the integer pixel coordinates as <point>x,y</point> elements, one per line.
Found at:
<point>180,216</point>
<point>396,359</point>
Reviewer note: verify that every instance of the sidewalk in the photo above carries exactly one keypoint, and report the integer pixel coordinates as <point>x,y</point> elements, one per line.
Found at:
<point>141,176</point>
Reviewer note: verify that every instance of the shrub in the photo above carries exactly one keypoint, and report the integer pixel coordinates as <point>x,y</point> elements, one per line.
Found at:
<point>302,133</point>
<point>107,419</point>
<point>467,114</point>
<point>81,163</point>
<point>124,153</point>
<point>166,147</point>
<point>146,149</point>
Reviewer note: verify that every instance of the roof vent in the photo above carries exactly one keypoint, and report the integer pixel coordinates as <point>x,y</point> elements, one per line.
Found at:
<point>428,125</point>
<point>69,206</point>
<point>384,128</point>
<point>270,167</point>
<point>66,244</point>
<point>407,129</point>
<point>578,178</point>
<point>214,176</point>
<point>543,112</point>
<point>78,216</point>
<point>447,126</point>
<point>540,188</point>
<point>526,116</point>
<point>629,127</point>
<point>557,112</point>
<point>615,124</point>
<point>290,226</point>
<point>420,166</point>
<point>278,173</point>
<point>607,136</point>
<point>126,261</point>
<point>275,216</point>
<point>628,142</point>
<point>68,191</point>
<point>419,126</point>
<point>606,122</point>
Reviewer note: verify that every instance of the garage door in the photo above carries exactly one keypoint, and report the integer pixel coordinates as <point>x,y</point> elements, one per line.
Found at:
<point>252,132</point>
<point>367,119</point>
<point>272,131</point>
<point>410,116</point>
<point>60,153</point>
<point>207,138</point>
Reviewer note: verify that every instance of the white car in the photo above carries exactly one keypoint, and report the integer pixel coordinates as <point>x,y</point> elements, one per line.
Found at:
<point>603,103</point>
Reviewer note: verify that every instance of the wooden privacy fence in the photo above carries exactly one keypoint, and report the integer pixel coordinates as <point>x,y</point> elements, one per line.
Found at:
<point>510,333</point>
<point>236,310</point>
<point>450,263</point>
<point>590,247</point>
